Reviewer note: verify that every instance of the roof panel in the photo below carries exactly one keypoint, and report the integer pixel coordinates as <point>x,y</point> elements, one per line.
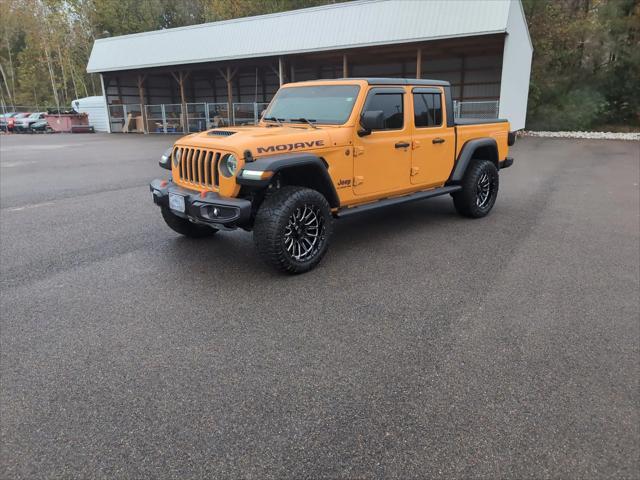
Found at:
<point>344,25</point>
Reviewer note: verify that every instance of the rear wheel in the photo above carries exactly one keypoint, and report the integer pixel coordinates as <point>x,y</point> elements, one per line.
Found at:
<point>185,227</point>
<point>479,190</point>
<point>292,229</point>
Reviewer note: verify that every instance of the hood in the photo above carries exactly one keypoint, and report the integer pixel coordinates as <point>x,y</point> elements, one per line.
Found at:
<point>261,140</point>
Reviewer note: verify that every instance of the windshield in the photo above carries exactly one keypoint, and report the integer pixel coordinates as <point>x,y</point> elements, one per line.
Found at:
<point>330,104</point>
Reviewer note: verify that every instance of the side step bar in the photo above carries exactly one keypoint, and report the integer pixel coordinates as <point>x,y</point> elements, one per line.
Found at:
<point>387,202</point>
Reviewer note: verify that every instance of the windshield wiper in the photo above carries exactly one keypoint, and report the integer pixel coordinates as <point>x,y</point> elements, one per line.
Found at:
<point>274,119</point>
<point>304,120</point>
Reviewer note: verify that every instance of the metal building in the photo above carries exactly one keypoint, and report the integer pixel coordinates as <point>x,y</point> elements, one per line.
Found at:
<point>191,78</point>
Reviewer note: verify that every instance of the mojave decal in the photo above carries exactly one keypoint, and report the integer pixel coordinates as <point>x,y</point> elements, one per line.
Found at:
<point>287,147</point>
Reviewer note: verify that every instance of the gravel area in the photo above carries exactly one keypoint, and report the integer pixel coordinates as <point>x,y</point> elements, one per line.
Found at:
<point>586,135</point>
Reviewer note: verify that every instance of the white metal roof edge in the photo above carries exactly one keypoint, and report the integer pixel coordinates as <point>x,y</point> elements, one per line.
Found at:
<point>292,52</point>
<point>241,19</point>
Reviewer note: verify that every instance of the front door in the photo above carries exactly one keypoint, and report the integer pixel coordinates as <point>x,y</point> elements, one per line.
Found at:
<point>433,146</point>
<point>383,158</point>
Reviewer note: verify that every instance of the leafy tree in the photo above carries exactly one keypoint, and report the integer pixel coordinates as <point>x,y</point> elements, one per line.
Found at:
<point>586,65</point>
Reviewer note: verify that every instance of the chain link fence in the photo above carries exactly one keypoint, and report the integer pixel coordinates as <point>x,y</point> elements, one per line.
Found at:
<point>170,118</point>
<point>480,109</point>
<point>218,115</point>
<point>248,113</point>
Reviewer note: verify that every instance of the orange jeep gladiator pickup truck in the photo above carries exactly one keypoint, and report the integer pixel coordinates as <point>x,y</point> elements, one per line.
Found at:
<point>327,149</point>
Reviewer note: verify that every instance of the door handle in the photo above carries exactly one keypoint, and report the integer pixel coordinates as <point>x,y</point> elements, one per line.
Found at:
<point>437,140</point>
<point>402,145</point>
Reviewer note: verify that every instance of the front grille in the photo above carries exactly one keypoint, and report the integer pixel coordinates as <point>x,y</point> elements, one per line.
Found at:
<point>199,167</point>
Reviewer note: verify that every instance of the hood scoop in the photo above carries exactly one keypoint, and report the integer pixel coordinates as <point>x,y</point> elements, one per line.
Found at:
<point>220,133</point>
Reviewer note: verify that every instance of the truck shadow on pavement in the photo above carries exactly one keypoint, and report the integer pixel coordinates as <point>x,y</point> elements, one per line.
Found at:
<point>353,241</point>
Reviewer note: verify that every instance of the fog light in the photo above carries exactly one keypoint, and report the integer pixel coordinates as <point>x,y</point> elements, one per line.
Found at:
<point>216,212</point>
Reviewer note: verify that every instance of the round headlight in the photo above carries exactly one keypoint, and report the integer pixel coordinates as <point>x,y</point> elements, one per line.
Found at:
<point>177,153</point>
<point>166,155</point>
<point>229,165</point>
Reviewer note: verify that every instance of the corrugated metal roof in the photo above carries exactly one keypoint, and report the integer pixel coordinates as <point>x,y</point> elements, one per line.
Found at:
<point>330,27</point>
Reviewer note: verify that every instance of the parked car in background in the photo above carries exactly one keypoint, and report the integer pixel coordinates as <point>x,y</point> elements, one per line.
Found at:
<point>41,126</point>
<point>11,121</point>
<point>4,119</point>
<point>23,124</point>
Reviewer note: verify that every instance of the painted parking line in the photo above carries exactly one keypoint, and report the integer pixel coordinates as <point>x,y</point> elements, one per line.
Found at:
<point>17,164</point>
<point>27,207</point>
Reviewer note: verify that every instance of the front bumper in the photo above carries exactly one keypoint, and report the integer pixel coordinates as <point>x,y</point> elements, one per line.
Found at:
<point>207,208</point>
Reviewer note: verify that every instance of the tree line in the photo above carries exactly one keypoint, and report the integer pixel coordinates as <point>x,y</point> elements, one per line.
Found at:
<point>586,64</point>
<point>586,67</point>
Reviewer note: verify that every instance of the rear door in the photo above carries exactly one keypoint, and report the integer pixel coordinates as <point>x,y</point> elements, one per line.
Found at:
<point>383,158</point>
<point>433,142</point>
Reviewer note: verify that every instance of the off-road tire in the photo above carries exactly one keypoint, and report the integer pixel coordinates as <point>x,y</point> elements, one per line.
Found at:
<point>185,227</point>
<point>272,230</point>
<point>468,200</point>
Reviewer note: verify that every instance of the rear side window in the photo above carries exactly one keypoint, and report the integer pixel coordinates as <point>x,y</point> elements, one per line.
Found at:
<point>391,105</point>
<point>427,108</point>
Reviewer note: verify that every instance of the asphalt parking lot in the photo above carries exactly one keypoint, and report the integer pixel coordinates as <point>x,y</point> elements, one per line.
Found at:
<point>424,345</point>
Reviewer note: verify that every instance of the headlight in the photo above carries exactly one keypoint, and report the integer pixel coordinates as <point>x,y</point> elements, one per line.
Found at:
<point>165,160</point>
<point>229,165</point>
<point>177,154</point>
<point>166,155</point>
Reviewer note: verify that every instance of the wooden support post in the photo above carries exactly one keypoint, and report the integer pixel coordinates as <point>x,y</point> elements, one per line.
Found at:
<point>183,105</point>
<point>345,66</point>
<point>143,115</point>
<point>119,89</point>
<point>228,77</point>
<point>281,70</point>
<point>419,63</point>
<point>292,77</point>
<point>181,78</point>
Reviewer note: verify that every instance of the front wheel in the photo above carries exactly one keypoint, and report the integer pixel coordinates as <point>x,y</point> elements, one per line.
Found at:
<point>479,190</point>
<point>292,229</point>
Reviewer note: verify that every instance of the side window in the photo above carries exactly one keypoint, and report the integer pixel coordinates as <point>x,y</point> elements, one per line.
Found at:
<point>427,108</point>
<point>391,105</point>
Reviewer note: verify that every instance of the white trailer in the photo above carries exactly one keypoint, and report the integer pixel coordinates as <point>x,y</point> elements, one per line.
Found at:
<point>95,108</point>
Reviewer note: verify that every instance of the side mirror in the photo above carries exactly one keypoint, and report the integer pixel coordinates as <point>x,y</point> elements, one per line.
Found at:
<point>371,120</point>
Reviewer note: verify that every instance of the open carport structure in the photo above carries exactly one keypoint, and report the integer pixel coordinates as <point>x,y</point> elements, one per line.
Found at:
<point>191,78</point>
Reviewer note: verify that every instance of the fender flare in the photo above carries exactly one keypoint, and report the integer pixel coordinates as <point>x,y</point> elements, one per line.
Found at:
<point>466,154</point>
<point>291,162</point>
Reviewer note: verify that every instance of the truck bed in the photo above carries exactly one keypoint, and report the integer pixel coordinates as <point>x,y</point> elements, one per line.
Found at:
<point>471,128</point>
